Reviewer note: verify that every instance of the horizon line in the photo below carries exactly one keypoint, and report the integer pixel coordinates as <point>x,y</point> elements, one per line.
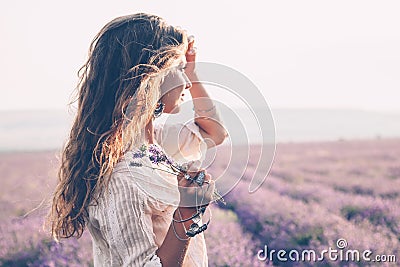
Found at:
<point>387,111</point>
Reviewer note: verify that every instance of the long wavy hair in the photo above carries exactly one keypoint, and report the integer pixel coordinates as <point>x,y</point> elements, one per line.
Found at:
<point>117,94</point>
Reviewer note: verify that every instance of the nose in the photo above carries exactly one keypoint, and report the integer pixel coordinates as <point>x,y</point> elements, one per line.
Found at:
<point>188,83</point>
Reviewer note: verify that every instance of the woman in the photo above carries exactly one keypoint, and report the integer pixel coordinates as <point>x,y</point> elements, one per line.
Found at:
<point>136,211</point>
<point>188,141</point>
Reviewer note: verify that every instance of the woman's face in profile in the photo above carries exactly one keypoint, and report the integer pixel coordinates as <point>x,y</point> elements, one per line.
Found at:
<point>173,88</point>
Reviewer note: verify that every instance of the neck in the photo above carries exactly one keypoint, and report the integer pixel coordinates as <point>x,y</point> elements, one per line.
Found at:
<point>149,132</point>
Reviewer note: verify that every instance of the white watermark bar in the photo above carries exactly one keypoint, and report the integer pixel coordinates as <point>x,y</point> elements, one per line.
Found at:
<point>331,254</point>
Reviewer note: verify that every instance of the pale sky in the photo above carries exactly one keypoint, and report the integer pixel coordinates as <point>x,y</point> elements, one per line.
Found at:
<point>308,54</point>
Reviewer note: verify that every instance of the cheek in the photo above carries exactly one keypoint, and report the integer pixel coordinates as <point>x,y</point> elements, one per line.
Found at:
<point>176,93</point>
<point>172,81</point>
<point>171,99</point>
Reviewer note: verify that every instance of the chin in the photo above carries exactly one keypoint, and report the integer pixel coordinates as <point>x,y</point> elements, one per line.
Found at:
<point>172,109</point>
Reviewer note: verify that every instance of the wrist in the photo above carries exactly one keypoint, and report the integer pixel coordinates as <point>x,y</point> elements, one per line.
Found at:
<point>184,216</point>
<point>187,211</point>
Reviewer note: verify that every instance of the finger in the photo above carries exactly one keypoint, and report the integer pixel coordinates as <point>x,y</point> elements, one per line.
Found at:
<point>190,40</point>
<point>191,166</point>
<point>200,177</point>
<point>207,178</point>
<point>190,43</point>
<point>192,50</point>
<point>184,180</point>
<point>208,192</point>
<point>191,56</point>
<point>195,168</point>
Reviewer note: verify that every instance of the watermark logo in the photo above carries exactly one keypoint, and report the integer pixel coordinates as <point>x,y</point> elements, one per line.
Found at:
<point>341,243</point>
<point>340,253</point>
<point>250,128</point>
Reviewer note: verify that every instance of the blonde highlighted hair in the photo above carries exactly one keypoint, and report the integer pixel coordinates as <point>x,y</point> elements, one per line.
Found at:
<point>117,94</point>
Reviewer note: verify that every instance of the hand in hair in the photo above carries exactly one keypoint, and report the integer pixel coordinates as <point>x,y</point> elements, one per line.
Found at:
<point>206,115</point>
<point>190,57</point>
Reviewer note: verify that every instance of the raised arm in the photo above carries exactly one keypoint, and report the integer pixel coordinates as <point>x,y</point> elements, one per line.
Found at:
<point>206,113</point>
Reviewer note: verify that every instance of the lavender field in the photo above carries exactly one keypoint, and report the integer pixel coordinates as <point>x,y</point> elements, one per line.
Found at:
<point>316,193</point>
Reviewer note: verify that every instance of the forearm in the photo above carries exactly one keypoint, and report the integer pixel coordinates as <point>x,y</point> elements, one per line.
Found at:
<point>206,114</point>
<point>173,250</point>
<point>201,99</point>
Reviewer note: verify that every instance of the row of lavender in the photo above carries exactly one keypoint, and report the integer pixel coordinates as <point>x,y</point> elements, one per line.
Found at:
<point>317,194</point>
<point>23,242</point>
<point>25,191</point>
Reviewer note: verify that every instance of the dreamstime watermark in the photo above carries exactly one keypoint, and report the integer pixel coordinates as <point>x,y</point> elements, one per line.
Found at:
<point>246,117</point>
<point>340,253</point>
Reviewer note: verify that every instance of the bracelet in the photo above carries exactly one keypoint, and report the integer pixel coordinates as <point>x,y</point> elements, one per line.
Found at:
<point>199,211</point>
<point>176,234</point>
<point>207,115</point>
<point>198,179</point>
<point>195,229</point>
<point>204,110</point>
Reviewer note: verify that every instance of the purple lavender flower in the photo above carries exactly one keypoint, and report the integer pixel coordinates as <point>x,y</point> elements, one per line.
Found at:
<point>155,154</point>
<point>135,164</point>
<point>169,160</point>
<point>158,156</point>
<point>25,244</point>
<point>138,155</point>
<point>154,149</point>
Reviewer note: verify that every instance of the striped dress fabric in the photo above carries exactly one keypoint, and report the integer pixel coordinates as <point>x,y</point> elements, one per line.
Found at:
<point>131,218</point>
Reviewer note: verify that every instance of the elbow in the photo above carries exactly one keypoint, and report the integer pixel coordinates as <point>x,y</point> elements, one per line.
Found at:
<point>219,138</point>
<point>216,134</point>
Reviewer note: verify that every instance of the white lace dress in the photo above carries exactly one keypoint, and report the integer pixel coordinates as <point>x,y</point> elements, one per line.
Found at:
<point>131,218</point>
